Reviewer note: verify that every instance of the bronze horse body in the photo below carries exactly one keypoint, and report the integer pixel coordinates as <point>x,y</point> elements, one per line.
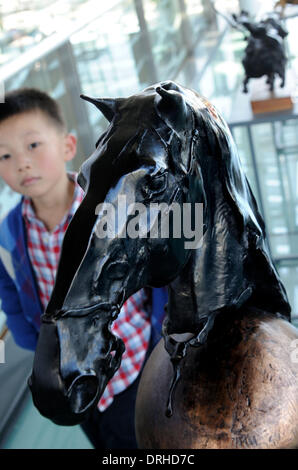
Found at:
<point>225,377</point>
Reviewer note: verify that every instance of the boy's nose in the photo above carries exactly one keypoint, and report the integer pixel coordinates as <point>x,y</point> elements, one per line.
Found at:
<point>23,163</point>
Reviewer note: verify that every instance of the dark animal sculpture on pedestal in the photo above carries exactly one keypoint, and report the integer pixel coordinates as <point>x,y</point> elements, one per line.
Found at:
<point>225,377</point>
<point>265,51</point>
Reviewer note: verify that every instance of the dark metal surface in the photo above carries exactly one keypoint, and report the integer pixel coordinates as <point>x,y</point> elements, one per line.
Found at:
<point>164,144</point>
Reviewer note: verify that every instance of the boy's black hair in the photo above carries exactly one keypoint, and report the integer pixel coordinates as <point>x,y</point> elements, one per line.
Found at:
<point>30,99</point>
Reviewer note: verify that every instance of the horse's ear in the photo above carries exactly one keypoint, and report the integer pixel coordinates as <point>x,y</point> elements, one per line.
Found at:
<point>170,85</point>
<point>106,105</point>
<point>172,108</point>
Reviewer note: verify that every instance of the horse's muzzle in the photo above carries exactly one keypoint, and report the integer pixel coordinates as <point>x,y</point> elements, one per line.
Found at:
<point>63,405</point>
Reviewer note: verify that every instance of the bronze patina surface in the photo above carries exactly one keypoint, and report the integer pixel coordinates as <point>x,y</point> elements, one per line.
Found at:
<point>239,391</point>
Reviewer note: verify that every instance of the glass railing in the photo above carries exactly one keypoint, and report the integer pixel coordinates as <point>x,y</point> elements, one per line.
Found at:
<point>25,24</point>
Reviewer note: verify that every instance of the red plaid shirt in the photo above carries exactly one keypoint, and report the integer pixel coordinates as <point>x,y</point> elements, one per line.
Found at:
<point>133,323</point>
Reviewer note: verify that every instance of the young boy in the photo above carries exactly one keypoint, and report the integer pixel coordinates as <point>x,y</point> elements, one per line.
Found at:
<point>34,149</point>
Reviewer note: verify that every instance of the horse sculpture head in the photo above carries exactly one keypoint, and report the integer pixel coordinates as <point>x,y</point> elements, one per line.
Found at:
<point>165,145</point>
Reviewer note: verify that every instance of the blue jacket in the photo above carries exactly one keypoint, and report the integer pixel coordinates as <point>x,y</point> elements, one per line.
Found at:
<point>18,285</point>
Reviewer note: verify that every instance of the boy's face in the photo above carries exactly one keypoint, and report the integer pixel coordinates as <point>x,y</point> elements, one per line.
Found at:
<point>33,152</point>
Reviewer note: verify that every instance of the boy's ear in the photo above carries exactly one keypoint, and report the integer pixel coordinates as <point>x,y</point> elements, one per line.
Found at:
<point>70,147</point>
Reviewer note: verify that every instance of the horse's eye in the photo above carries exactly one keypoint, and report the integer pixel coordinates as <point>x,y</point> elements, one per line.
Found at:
<point>155,185</point>
<point>117,270</point>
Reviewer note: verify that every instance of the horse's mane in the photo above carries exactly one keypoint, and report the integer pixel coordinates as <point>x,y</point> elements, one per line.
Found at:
<point>235,266</point>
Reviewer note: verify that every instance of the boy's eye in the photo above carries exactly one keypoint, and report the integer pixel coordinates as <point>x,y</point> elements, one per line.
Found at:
<point>6,156</point>
<point>33,145</point>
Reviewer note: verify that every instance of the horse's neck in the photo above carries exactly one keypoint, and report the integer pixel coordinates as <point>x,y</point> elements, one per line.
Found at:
<point>182,303</point>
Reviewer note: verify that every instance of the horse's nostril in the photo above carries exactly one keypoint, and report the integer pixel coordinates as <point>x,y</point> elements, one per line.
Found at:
<point>83,392</point>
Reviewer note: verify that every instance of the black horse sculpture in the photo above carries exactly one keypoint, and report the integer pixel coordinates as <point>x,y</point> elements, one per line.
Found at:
<point>265,51</point>
<point>168,145</point>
